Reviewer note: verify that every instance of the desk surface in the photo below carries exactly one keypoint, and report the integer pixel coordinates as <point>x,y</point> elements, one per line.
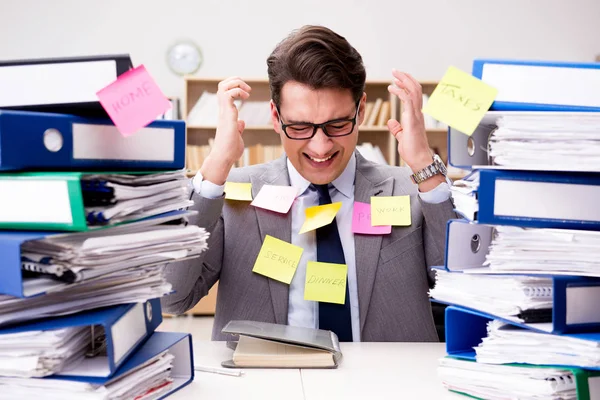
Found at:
<point>367,371</point>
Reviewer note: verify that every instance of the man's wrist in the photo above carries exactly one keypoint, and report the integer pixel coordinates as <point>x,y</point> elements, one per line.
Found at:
<point>421,163</point>
<point>215,170</point>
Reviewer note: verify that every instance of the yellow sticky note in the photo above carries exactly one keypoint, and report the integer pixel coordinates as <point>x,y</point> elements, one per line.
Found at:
<point>319,216</point>
<point>325,282</point>
<point>390,210</point>
<point>277,259</point>
<point>460,100</point>
<point>238,191</point>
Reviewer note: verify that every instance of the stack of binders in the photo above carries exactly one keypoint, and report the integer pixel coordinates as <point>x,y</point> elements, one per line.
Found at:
<point>88,220</point>
<point>522,270</point>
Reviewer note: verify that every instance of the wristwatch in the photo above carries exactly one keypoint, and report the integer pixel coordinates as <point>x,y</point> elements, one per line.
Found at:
<point>437,167</point>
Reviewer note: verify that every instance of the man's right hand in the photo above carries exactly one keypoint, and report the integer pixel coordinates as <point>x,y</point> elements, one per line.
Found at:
<point>228,146</point>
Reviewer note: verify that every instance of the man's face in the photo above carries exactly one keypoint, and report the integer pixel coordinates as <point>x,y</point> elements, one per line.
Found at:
<point>320,159</point>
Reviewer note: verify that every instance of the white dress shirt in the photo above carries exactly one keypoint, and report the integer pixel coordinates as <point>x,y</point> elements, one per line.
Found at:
<point>304,312</point>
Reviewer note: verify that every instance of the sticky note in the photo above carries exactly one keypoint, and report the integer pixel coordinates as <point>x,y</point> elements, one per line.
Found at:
<point>361,221</point>
<point>275,198</point>
<point>133,100</point>
<point>325,282</point>
<point>238,191</point>
<point>460,100</point>
<point>319,216</point>
<point>277,259</point>
<point>390,210</point>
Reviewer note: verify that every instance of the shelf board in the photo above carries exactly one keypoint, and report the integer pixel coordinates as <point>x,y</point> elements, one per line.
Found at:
<point>248,128</point>
<point>437,130</point>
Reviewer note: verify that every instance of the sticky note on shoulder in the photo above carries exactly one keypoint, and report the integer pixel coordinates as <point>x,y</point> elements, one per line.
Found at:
<point>361,221</point>
<point>133,100</point>
<point>275,198</point>
<point>326,282</point>
<point>319,216</point>
<point>238,191</point>
<point>460,100</point>
<point>277,259</point>
<point>390,210</point>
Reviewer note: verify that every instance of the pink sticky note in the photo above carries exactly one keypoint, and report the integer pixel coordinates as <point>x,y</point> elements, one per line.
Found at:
<point>275,198</point>
<point>361,221</point>
<point>133,100</point>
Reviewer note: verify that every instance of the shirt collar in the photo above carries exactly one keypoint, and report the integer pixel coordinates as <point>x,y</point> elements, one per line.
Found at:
<point>343,183</point>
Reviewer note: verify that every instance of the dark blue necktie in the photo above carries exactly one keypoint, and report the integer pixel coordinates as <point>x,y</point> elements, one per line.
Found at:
<point>333,317</point>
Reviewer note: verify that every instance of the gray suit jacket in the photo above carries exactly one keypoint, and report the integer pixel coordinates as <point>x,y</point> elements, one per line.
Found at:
<point>392,270</point>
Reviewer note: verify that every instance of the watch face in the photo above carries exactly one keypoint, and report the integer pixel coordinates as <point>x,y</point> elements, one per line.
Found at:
<point>184,58</point>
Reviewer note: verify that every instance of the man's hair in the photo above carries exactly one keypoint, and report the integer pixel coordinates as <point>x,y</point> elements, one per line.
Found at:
<point>319,58</point>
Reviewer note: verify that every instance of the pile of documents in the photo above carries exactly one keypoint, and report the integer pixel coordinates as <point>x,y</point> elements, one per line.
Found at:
<point>86,231</point>
<point>521,274</point>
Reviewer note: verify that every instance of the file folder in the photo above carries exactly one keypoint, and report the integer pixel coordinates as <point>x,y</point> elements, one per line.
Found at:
<point>46,141</point>
<point>465,329</point>
<point>125,327</point>
<point>473,152</point>
<point>12,282</point>
<point>77,201</point>
<point>62,85</point>
<point>537,199</point>
<point>541,85</point>
<point>177,344</point>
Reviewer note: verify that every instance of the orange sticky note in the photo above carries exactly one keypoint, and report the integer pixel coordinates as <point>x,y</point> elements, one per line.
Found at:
<point>133,100</point>
<point>319,216</point>
<point>238,191</point>
<point>275,198</point>
<point>277,259</point>
<point>390,210</point>
<point>460,100</point>
<point>325,282</point>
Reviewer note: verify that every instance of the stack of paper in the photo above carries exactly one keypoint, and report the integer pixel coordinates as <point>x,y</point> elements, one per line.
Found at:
<point>548,141</point>
<point>119,198</point>
<point>42,353</point>
<point>464,195</point>
<point>507,344</point>
<point>504,296</point>
<point>555,251</point>
<point>150,380</point>
<point>500,382</point>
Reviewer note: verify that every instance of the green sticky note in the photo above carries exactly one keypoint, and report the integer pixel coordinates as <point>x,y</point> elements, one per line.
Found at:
<point>460,100</point>
<point>238,191</point>
<point>390,210</point>
<point>325,282</point>
<point>277,259</point>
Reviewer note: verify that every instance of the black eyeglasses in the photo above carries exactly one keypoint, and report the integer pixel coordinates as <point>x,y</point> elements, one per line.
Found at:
<point>306,130</point>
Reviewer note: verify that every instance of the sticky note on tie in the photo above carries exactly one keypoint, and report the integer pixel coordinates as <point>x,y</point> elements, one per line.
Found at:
<point>238,191</point>
<point>390,210</point>
<point>319,216</point>
<point>460,100</point>
<point>133,100</point>
<point>277,259</point>
<point>275,198</point>
<point>361,221</point>
<point>326,282</point>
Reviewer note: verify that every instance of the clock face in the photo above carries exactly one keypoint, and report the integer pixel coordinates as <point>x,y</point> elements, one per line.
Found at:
<point>184,58</point>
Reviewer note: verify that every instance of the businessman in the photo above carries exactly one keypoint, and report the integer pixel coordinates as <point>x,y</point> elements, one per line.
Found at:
<point>317,84</point>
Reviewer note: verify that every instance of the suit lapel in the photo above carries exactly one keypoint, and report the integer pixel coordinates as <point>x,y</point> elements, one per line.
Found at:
<point>276,225</point>
<point>368,182</point>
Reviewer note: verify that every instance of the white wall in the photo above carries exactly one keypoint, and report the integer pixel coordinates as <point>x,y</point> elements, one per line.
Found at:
<point>236,36</point>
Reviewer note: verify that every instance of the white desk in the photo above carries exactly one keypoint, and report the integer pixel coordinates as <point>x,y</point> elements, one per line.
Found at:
<point>367,371</point>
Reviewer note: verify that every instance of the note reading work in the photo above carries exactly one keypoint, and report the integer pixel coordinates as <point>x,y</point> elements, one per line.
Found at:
<point>390,210</point>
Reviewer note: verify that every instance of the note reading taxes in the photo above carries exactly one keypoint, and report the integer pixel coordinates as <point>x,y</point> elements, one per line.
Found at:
<point>390,210</point>
<point>133,100</point>
<point>325,282</point>
<point>460,100</point>
<point>275,198</point>
<point>319,216</point>
<point>238,191</point>
<point>361,221</point>
<point>277,259</point>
